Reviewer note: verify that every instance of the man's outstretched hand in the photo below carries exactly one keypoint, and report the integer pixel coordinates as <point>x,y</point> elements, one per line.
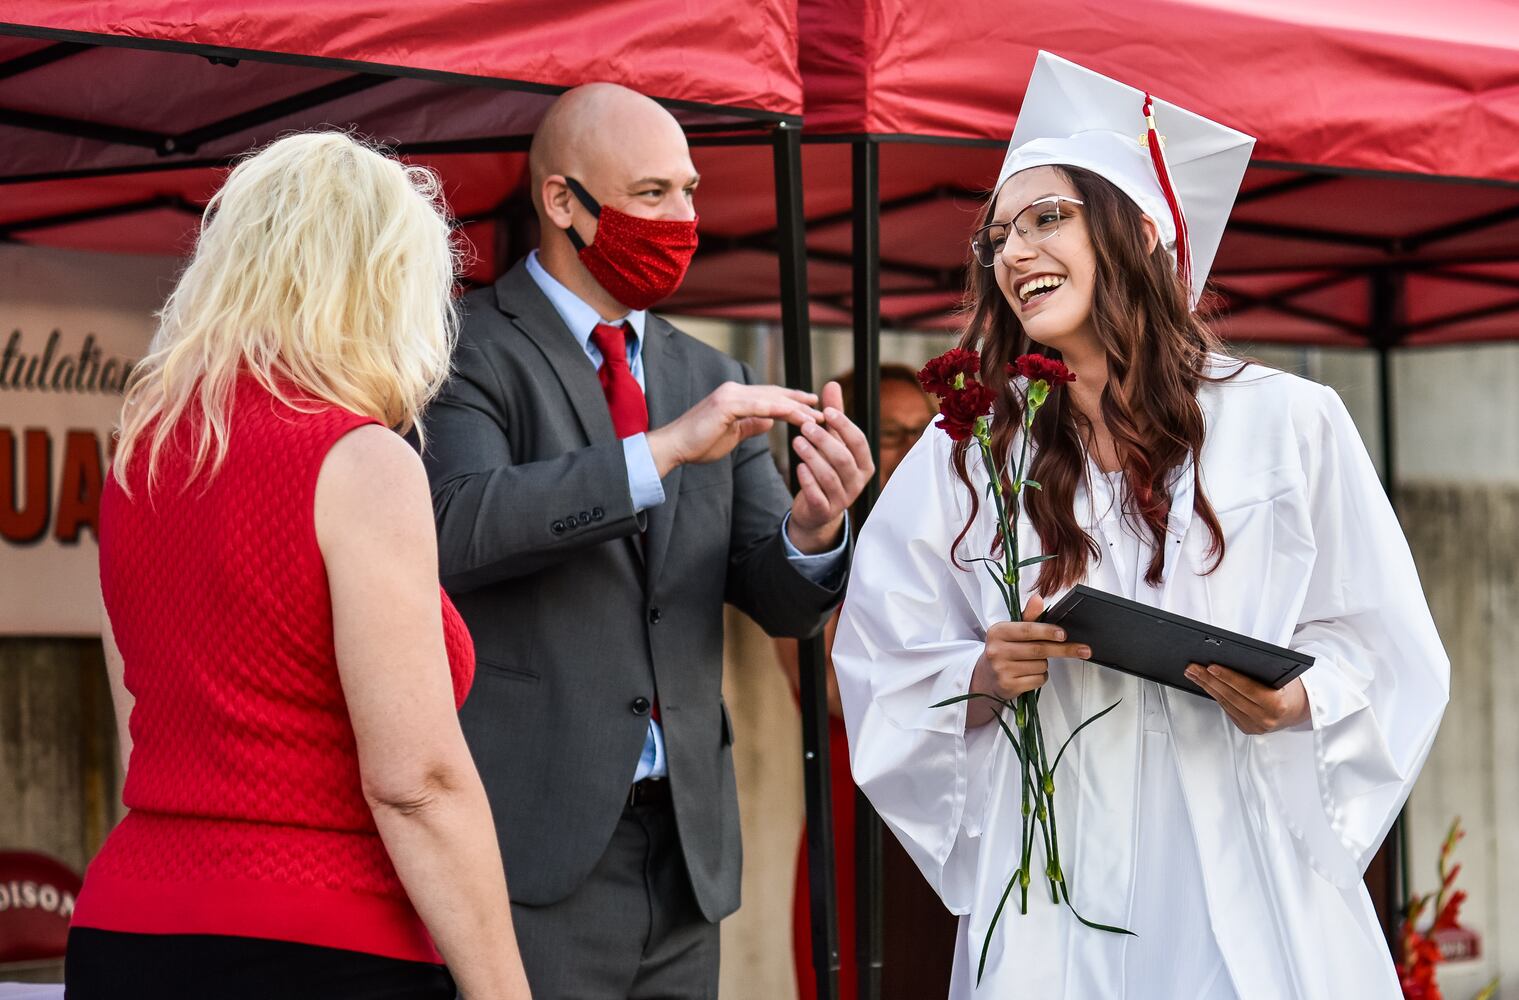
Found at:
<point>729,414</point>
<point>835,466</point>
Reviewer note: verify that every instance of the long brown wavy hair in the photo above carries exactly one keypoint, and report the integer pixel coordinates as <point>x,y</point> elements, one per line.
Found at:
<point>1157,354</point>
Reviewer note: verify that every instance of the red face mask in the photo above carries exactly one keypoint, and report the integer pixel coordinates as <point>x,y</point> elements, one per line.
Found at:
<point>639,261</point>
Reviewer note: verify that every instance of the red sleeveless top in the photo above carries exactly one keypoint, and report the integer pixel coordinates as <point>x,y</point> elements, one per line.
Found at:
<point>246,813</point>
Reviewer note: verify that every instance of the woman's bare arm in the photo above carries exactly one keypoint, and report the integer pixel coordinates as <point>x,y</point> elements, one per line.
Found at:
<point>121,698</point>
<point>374,525</point>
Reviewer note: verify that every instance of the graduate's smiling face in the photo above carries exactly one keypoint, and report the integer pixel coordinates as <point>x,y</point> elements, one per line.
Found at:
<point>1047,277</point>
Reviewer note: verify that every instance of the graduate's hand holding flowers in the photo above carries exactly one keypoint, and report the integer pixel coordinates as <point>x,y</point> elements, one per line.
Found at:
<point>1252,706</point>
<point>1016,659</point>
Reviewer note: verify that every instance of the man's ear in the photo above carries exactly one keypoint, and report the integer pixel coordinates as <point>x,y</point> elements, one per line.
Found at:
<point>1152,233</point>
<point>556,197</point>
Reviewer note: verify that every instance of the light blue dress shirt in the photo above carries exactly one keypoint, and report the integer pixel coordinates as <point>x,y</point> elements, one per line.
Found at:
<point>643,476</point>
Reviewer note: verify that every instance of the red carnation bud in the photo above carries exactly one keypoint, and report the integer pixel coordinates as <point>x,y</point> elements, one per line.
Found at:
<point>1037,367</point>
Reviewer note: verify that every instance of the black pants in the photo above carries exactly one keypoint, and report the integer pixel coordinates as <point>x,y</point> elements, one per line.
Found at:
<point>110,965</point>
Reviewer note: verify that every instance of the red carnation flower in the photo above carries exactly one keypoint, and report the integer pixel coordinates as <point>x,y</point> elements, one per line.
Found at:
<point>938,376</point>
<point>1037,367</point>
<point>961,409</point>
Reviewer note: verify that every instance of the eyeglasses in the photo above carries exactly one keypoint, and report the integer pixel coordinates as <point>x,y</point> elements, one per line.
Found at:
<point>1034,224</point>
<point>896,436</point>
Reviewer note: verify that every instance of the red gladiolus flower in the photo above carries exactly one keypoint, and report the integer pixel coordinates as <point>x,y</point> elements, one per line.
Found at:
<point>938,376</point>
<point>961,408</point>
<point>1037,367</point>
<point>1417,973</point>
<point>1449,917</point>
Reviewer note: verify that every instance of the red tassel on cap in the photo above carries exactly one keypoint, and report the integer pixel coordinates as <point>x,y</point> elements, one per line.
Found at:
<point>1183,253</point>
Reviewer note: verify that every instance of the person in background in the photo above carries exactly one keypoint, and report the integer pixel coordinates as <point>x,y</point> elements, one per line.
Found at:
<point>906,411</point>
<point>602,486</point>
<point>304,817</point>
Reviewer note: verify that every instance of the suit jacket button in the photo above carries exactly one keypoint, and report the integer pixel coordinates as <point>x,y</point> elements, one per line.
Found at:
<point>640,705</point>
<point>597,513</point>
<point>655,616</point>
<point>557,527</point>
<point>585,518</point>
<point>571,521</point>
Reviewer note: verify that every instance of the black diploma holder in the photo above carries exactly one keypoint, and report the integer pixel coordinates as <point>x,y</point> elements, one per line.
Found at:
<point>1158,645</point>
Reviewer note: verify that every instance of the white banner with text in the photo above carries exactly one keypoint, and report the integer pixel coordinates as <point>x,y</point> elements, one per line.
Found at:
<point>72,324</point>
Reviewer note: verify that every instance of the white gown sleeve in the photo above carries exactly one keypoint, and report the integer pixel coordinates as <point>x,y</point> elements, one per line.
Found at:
<point>1381,679</point>
<point>909,637</point>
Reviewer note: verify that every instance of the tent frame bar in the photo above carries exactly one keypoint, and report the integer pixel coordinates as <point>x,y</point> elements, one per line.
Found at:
<point>41,57</point>
<point>796,338</point>
<point>865,251</point>
<point>189,142</point>
<point>78,128</point>
<point>1387,331</point>
<point>154,204</point>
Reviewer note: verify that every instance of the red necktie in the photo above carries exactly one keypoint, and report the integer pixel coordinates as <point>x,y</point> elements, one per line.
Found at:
<point>625,400</point>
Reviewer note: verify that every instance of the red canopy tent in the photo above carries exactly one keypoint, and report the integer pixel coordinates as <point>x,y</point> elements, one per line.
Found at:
<point>1378,196</point>
<point>126,167</point>
<point>115,119</point>
<point>281,67</point>
<point>1374,123</point>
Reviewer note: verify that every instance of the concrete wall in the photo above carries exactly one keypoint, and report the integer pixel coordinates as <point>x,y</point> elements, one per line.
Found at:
<point>767,754</point>
<point>58,766</point>
<point>1457,454</point>
<point>59,779</point>
<point>1465,538</point>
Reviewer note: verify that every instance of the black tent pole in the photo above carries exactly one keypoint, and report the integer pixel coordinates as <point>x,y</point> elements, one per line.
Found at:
<point>1386,331</point>
<point>797,348</point>
<point>866,249</point>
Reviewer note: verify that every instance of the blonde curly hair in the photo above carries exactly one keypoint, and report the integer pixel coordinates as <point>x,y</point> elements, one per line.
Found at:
<point>323,266</point>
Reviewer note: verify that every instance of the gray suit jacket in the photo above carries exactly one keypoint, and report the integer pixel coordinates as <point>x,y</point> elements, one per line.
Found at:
<point>577,620</point>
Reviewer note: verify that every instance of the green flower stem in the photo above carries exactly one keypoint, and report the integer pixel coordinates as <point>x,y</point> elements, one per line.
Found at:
<point>1051,867</point>
<point>1047,789</point>
<point>1027,706</point>
<point>1027,849</point>
<point>997,915</point>
<point>1027,700</point>
<point>1026,837</point>
<point>1009,537</point>
<point>1043,814</point>
<point>1025,757</point>
<point>1036,777</point>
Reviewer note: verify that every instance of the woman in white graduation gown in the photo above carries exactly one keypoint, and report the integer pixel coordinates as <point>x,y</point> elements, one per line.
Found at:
<point>1229,835</point>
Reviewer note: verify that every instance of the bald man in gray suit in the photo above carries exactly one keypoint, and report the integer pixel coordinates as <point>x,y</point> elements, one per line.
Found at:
<point>602,486</point>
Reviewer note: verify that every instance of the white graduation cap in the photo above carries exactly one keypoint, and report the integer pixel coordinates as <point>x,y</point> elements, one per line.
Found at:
<point>1187,181</point>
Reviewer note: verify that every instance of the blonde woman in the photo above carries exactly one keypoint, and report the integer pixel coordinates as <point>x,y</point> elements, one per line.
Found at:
<point>305,819</point>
